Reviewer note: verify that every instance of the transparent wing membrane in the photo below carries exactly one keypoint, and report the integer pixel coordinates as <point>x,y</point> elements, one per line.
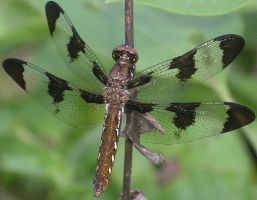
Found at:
<point>70,104</point>
<point>76,53</point>
<point>201,63</point>
<point>185,122</point>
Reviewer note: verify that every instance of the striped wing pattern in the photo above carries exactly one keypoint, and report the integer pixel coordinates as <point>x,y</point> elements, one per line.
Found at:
<point>68,103</point>
<point>178,122</point>
<point>201,63</point>
<point>182,122</point>
<point>186,122</point>
<point>76,53</point>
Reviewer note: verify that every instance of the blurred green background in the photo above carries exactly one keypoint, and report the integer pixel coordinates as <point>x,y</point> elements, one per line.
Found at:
<point>42,158</point>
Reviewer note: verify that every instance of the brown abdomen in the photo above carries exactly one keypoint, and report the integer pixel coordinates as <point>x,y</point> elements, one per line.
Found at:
<point>108,147</point>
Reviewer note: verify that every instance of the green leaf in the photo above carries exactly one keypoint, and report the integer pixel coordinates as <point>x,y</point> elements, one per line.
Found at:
<point>243,88</point>
<point>24,155</point>
<point>249,16</point>
<point>196,7</point>
<point>41,149</point>
<point>21,21</point>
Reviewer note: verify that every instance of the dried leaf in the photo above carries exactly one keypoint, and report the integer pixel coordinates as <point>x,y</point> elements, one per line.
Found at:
<point>156,158</point>
<point>142,123</point>
<point>169,171</point>
<point>137,195</point>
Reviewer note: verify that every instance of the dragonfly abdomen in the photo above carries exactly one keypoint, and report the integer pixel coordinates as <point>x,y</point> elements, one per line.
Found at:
<point>108,147</point>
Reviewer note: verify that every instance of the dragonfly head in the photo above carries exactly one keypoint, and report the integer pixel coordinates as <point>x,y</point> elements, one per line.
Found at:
<point>122,52</point>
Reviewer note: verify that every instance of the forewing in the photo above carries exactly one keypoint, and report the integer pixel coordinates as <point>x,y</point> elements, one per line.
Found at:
<point>70,104</point>
<point>201,63</point>
<point>76,53</point>
<point>186,122</point>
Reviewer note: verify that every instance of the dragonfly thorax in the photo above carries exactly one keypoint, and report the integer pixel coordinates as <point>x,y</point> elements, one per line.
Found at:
<point>116,91</point>
<point>115,95</point>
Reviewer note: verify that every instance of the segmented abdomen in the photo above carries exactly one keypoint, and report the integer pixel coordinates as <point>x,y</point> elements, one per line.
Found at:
<point>108,147</point>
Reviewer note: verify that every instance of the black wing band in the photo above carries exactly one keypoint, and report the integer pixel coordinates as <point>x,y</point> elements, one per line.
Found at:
<point>70,104</point>
<point>185,122</point>
<point>77,54</point>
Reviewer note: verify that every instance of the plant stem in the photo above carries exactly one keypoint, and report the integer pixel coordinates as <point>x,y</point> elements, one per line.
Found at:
<point>129,41</point>
<point>127,170</point>
<point>129,28</point>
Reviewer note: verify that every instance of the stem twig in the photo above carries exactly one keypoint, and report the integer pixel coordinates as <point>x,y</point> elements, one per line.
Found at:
<point>127,170</point>
<point>129,28</point>
<point>129,41</point>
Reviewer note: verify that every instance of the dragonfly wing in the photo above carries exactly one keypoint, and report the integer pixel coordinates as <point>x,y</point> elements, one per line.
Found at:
<point>68,103</point>
<point>77,54</point>
<point>186,122</point>
<point>203,62</point>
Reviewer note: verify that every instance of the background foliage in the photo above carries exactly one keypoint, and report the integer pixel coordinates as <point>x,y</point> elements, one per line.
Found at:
<point>42,158</point>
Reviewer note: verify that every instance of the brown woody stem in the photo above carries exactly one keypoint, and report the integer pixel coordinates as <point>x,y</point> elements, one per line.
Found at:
<point>129,29</point>
<point>129,41</point>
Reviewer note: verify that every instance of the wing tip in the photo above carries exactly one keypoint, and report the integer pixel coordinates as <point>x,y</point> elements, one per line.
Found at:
<point>14,68</point>
<point>238,41</point>
<point>228,36</point>
<point>52,10</point>
<point>232,45</point>
<point>8,62</point>
<point>238,116</point>
<point>51,5</point>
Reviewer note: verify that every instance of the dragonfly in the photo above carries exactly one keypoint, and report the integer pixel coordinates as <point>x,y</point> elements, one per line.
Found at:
<point>110,93</point>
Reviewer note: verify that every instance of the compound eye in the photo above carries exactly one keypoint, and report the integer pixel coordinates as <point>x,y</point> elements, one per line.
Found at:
<point>115,55</point>
<point>133,58</point>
